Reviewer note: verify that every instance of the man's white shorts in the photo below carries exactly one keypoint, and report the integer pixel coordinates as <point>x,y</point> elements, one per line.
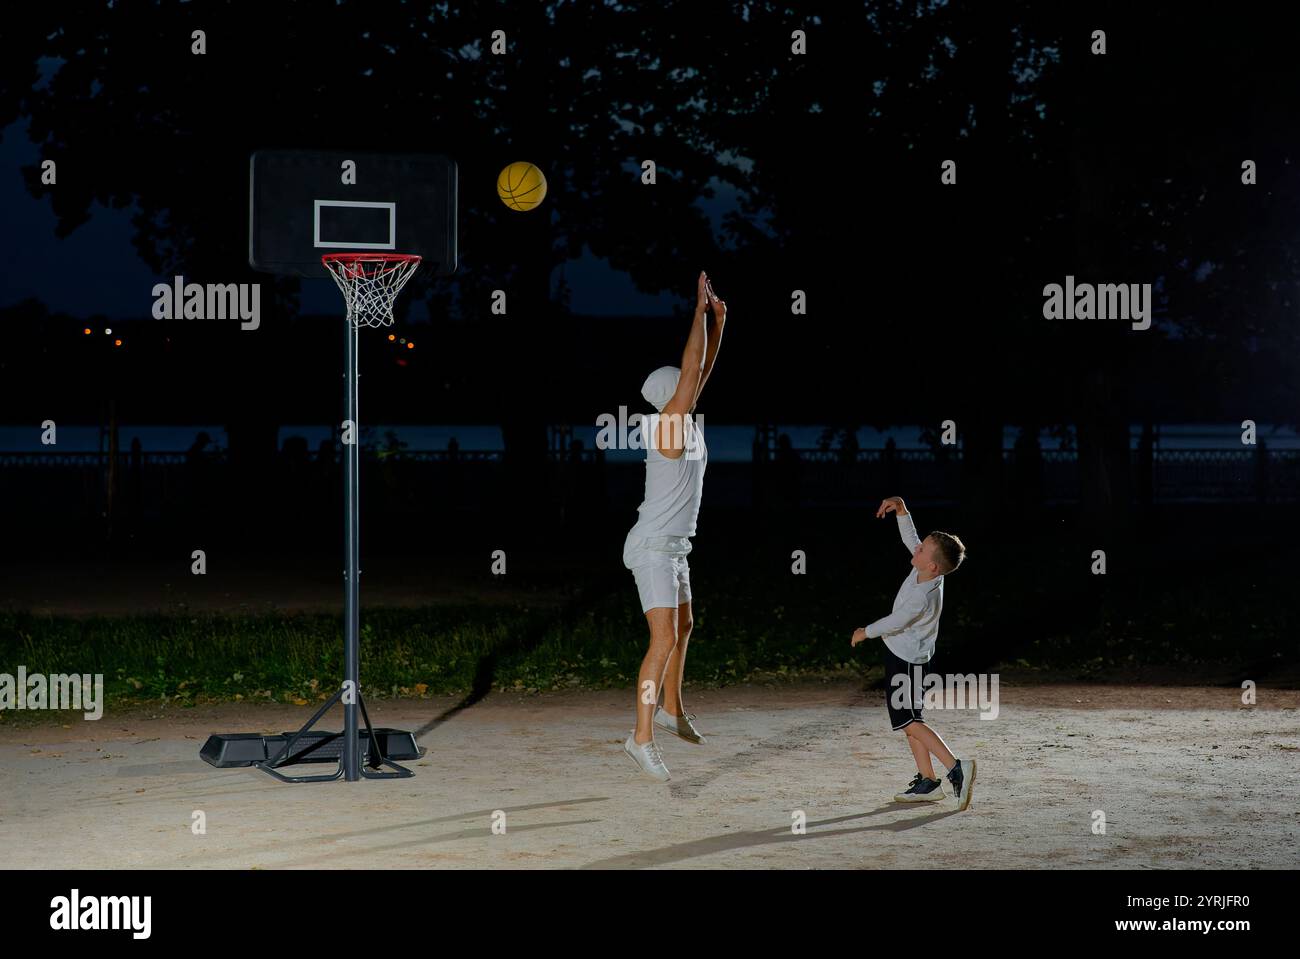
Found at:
<point>663,578</point>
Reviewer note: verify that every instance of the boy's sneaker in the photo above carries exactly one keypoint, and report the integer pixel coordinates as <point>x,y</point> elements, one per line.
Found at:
<point>647,756</point>
<point>678,725</point>
<point>921,789</point>
<point>962,779</point>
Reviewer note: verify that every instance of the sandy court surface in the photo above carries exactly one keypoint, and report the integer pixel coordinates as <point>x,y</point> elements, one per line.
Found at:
<point>1186,777</point>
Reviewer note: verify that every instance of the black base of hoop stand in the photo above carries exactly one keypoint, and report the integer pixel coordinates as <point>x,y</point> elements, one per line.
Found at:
<point>375,755</point>
<point>351,768</point>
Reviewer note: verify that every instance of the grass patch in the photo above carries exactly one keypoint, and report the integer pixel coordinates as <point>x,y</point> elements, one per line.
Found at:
<point>747,630</point>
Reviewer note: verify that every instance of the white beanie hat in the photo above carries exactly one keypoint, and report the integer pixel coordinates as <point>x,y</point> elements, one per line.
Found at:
<point>660,386</point>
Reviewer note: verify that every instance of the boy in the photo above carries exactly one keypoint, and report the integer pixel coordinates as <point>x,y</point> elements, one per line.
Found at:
<point>909,633</point>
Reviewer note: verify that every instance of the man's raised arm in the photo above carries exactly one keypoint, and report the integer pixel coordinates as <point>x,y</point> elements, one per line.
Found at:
<point>671,431</point>
<point>714,335</point>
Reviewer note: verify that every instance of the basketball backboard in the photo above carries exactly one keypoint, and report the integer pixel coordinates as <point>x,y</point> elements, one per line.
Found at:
<point>306,203</point>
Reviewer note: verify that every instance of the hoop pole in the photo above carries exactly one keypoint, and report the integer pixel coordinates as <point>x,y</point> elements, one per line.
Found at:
<point>352,556</point>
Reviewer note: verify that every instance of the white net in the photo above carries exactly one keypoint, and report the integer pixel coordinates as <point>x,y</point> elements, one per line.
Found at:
<point>370,283</point>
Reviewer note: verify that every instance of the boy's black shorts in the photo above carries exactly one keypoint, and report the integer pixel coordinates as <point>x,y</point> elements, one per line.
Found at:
<point>903,690</point>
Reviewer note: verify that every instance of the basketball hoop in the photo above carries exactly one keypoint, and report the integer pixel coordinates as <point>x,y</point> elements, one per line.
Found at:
<point>370,283</point>
<point>411,205</point>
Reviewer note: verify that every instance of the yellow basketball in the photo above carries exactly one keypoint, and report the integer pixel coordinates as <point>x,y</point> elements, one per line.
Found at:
<point>521,186</point>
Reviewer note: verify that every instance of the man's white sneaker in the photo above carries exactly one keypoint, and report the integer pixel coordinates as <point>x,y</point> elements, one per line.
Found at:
<point>647,756</point>
<point>678,725</point>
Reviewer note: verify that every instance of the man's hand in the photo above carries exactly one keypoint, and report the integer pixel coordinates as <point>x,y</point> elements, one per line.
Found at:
<point>892,505</point>
<point>719,306</point>
<point>859,635</point>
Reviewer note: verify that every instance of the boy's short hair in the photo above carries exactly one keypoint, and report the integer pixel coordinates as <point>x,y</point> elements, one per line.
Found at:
<point>950,550</point>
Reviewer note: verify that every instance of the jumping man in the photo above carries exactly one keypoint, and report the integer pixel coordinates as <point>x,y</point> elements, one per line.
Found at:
<point>655,549</point>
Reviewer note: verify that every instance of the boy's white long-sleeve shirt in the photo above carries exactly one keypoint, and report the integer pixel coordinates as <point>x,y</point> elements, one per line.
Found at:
<point>911,630</point>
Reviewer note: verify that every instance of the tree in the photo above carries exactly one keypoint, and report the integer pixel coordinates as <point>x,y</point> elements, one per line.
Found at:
<point>376,76</point>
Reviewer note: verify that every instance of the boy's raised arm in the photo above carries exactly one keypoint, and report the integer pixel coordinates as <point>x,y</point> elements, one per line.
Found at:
<point>906,528</point>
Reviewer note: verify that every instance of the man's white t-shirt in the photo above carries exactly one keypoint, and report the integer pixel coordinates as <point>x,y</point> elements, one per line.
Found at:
<point>673,486</point>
